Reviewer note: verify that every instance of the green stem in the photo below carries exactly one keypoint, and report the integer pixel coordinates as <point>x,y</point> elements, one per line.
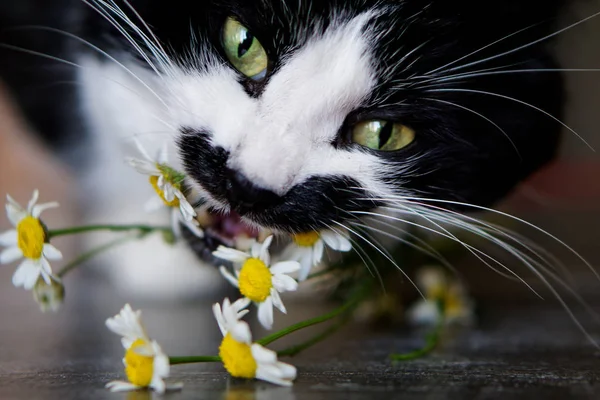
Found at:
<point>193,359</point>
<point>144,229</point>
<point>294,350</point>
<point>86,256</point>
<point>353,302</point>
<point>431,341</point>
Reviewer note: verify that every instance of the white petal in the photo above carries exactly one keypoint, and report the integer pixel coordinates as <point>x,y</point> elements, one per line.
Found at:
<point>14,212</point>
<point>144,167</point>
<point>306,263</point>
<point>161,361</point>
<point>45,270</point>
<point>287,371</point>
<point>336,241</point>
<point>186,209</point>
<point>13,202</point>
<point>241,332</point>
<point>9,238</point>
<point>230,314</point>
<point>229,254</point>
<point>264,250</point>
<point>121,386</point>
<point>34,199</point>
<point>277,301</point>
<point>227,275</point>
<point>51,252</point>
<point>194,228</point>
<point>175,223</point>
<point>263,355</point>
<point>218,313</point>
<point>11,254</point>
<point>424,313</point>
<point>285,267</point>
<point>317,254</point>
<point>167,189</point>
<point>272,374</point>
<point>265,313</point>
<point>240,304</point>
<point>37,210</point>
<point>284,283</point>
<point>127,324</point>
<point>26,274</point>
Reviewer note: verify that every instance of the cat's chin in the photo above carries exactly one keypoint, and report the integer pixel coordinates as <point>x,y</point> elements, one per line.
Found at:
<point>223,229</point>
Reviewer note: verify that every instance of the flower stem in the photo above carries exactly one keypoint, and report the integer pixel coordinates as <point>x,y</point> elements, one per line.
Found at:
<point>193,359</point>
<point>431,341</point>
<point>348,306</point>
<point>86,256</point>
<point>294,350</point>
<point>143,229</point>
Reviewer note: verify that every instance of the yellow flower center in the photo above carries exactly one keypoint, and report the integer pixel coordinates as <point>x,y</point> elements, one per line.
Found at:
<point>237,358</point>
<point>437,292</point>
<point>307,239</point>
<point>31,237</point>
<point>161,194</point>
<point>138,368</point>
<point>255,280</point>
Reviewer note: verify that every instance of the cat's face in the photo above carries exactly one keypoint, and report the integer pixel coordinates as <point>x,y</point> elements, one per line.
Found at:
<point>297,114</point>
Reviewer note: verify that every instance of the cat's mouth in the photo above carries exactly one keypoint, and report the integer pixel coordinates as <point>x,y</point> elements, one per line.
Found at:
<point>227,229</point>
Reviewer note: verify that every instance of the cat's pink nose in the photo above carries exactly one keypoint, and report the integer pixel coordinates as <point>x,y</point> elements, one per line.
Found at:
<point>246,197</point>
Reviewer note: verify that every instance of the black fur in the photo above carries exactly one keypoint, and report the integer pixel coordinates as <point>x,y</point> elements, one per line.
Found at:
<point>458,155</point>
<point>318,201</point>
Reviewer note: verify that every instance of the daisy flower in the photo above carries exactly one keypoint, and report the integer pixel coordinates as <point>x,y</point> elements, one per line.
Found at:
<point>167,183</point>
<point>308,248</point>
<point>49,296</point>
<point>257,280</point>
<point>28,240</point>
<point>145,363</point>
<point>444,298</point>
<point>242,358</point>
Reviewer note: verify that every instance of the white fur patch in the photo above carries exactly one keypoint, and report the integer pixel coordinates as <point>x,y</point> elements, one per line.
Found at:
<point>278,140</point>
<point>284,136</point>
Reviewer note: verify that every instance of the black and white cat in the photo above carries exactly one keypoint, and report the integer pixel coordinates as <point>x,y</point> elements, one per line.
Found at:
<point>296,115</point>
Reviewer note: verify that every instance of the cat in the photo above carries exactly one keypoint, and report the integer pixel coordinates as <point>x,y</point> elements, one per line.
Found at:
<point>293,116</point>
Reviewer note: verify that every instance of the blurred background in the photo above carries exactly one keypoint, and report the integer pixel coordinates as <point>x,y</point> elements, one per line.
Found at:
<point>563,198</point>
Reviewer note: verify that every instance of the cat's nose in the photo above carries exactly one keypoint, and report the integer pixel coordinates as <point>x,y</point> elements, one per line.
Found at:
<point>244,196</point>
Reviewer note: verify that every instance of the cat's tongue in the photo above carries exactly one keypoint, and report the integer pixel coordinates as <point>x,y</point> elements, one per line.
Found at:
<point>228,229</point>
<point>232,226</point>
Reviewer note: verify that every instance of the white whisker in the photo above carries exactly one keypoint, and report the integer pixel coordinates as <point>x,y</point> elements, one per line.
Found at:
<point>520,102</point>
<point>491,210</point>
<point>483,117</point>
<point>525,45</point>
<point>384,255</point>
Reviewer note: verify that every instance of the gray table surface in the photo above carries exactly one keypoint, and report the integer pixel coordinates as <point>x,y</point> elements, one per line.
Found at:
<point>517,350</point>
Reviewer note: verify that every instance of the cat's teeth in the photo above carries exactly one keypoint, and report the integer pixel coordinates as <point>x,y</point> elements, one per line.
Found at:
<point>203,217</point>
<point>243,242</point>
<point>263,234</point>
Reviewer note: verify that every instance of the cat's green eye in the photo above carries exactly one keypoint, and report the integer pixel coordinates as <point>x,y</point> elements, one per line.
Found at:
<point>243,50</point>
<point>382,135</point>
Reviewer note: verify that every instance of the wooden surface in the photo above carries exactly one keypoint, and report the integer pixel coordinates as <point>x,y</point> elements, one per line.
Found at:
<point>516,351</point>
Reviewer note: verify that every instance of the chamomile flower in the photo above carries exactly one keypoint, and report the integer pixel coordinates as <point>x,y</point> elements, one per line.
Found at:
<point>257,280</point>
<point>49,296</point>
<point>167,183</point>
<point>308,248</point>
<point>146,365</point>
<point>242,358</point>
<point>444,298</point>
<point>28,240</point>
